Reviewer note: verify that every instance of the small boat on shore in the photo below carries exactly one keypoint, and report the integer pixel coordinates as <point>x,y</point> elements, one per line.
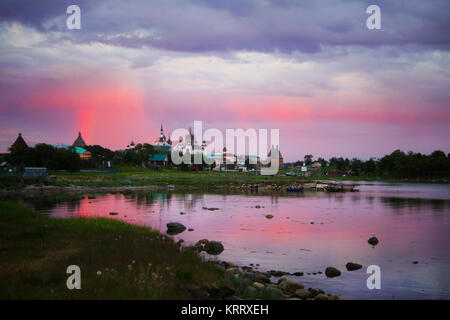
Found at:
<point>295,188</point>
<point>333,188</point>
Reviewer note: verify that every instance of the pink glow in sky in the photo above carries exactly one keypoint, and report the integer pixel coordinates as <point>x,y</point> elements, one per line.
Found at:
<point>335,89</point>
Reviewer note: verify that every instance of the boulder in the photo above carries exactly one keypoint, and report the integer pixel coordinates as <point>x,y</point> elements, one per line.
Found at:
<point>321,296</point>
<point>353,266</point>
<point>214,247</point>
<point>202,242</point>
<point>303,293</point>
<point>332,272</point>
<point>258,285</point>
<point>314,292</point>
<point>373,241</point>
<point>175,228</point>
<point>260,277</point>
<point>290,285</point>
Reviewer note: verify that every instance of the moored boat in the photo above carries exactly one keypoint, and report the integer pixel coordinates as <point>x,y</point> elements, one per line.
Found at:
<point>333,189</point>
<point>295,188</point>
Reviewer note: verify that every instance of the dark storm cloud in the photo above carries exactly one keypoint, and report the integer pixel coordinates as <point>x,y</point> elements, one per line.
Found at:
<point>222,26</point>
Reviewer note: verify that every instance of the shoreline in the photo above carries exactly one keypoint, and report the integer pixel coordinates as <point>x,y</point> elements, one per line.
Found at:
<point>123,253</point>
<point>265,187</point>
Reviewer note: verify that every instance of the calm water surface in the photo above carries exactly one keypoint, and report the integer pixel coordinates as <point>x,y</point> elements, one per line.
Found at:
<point>412,222</point>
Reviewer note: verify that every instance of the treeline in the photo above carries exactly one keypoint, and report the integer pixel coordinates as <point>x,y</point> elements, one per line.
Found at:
<point>395,165</point>
<point>45,155</point>
<point>398,164</point>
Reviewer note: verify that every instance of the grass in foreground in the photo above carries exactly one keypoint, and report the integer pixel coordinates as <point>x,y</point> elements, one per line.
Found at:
<point>135,262</point>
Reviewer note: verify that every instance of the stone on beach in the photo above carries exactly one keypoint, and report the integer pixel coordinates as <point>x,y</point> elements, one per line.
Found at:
<point>289,285</point>
<point>258,285</point>
<point>174,228</point>
<point>214,247</point>
<point>332,272</point>
<point>303,293</point>
<point>321,296</point>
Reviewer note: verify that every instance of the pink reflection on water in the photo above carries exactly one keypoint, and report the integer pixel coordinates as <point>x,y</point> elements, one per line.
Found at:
<point>408,229</point>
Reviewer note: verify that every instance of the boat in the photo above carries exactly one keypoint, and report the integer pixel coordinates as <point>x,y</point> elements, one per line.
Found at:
<point>290,174</point>
<point>320,186</point>
<point>333,189</point>
<point>295,188</point>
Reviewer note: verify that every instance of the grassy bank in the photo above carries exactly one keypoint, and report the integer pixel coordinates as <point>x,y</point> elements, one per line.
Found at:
<point>135,262</point>
<point>117,260</point>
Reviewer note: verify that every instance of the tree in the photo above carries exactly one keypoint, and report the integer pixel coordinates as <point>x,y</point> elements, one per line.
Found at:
<point>355,166</point>
<point>322,162</point>
<point>99,156</point>
<point>308,159</point>
<point>21,156</point>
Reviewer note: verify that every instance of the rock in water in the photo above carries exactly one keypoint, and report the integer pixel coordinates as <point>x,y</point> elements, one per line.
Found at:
<point>353,266</point>
<point>332,272</point>
<point>175,228</point>
<point>214,247</point>
<point>113,213</point>
<point>373,241</point>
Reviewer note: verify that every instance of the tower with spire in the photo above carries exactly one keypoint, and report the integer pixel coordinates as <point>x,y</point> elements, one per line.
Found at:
<point>19,143</point>
<point>162,143</point>
<point>79,142</point>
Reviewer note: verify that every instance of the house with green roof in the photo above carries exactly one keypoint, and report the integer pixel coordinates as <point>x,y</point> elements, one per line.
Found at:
<point>158,159</point>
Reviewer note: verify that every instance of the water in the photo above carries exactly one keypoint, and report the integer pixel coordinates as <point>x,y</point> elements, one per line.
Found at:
<point>411,221</point>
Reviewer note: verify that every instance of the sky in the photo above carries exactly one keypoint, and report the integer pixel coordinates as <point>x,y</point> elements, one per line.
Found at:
<point>311,69</point>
